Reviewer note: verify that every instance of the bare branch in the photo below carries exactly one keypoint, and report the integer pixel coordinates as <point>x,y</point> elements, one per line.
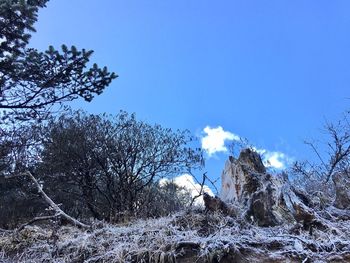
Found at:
<point>312,145</point>
<point>53,205</point>
<point>200,192</point>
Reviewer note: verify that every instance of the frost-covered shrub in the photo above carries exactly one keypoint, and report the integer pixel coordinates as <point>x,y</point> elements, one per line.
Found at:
<point>107,167</point>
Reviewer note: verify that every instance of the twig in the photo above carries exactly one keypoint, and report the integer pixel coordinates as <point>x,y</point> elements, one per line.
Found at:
<point>213,184</point>
<point>200,192</point>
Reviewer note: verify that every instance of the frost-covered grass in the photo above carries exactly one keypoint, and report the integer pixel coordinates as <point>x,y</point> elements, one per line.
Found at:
<point>195,236</point>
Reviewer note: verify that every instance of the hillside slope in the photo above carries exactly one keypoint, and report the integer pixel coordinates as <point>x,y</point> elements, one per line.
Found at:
<point>188,237</point>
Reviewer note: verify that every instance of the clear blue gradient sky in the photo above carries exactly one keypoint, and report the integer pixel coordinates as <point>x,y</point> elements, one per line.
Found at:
<point>271,71</point>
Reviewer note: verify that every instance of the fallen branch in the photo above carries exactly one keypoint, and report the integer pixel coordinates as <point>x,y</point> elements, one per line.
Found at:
<point>36,219</point>
<point>53,205</point>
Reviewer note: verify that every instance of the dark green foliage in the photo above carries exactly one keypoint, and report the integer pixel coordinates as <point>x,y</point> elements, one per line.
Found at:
<point>16,23</point>
<point>35,84</point>
<point>32,82</point>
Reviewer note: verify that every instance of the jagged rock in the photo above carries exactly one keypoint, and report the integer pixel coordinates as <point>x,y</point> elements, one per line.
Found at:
<point>265,199</point>
<point>242,177</point>
<point>342,189</point>
<point>253,160</point>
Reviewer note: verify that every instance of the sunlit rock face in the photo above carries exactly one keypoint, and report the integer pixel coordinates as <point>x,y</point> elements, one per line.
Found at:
<point>230,188</point>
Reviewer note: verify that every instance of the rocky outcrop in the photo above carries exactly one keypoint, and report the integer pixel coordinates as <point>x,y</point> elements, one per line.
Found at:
<point>265,199</point>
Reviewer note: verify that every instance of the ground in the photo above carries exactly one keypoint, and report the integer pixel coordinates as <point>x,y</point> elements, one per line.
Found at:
<point>192,236</point>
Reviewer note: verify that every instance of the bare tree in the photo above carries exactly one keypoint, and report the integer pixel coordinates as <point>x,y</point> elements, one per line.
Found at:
<point>334,161</point>
<point>107,162</point>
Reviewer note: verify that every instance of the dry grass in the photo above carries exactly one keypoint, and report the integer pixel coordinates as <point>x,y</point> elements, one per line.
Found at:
<point>195,236</point>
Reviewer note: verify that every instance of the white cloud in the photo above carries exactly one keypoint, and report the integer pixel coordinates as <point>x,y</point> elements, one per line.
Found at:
<point>273,159</point>
<point>187,181</point>
<point>214,140</point>
<point>276,160</point>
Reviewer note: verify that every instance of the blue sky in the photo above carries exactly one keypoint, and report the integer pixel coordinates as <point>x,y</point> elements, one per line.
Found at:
<point>271,71</point>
